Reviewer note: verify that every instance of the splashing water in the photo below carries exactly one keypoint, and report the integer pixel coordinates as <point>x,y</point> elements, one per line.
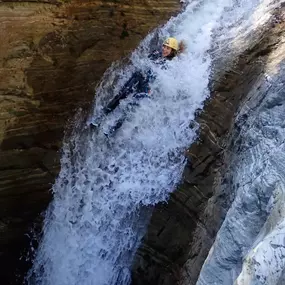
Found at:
<point>106,187</point>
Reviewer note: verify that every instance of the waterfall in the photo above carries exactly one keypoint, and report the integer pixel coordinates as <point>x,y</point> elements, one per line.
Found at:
<point>107,186</point>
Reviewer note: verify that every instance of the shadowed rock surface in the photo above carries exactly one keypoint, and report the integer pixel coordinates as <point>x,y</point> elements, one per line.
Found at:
<point>52,55</point>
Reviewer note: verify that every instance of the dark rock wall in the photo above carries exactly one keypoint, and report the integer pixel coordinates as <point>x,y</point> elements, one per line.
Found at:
<point>52,55</point>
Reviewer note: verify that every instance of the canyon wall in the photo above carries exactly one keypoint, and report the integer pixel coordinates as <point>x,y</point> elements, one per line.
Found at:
<point>52,55</point>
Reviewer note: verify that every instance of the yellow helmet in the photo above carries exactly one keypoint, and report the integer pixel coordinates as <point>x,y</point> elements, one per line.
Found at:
<point>172,43</point>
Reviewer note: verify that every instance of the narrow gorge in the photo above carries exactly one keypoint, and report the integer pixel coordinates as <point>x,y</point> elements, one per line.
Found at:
<point>162,202</point>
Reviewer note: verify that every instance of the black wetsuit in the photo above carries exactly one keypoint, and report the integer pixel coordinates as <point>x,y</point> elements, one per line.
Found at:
<point>137,85</point>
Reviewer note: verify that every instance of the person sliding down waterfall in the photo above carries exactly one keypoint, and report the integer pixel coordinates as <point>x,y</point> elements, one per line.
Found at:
<point>138,84</point>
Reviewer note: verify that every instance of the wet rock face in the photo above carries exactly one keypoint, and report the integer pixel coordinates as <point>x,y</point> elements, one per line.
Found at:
<point>52,55</point>
<point>249,248</point>
<point>182,232</point>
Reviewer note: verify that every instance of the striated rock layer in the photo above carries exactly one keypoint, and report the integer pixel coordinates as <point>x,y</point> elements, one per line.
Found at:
<point>249,247</point>
<point>182,232</point>
<point>52,54</point>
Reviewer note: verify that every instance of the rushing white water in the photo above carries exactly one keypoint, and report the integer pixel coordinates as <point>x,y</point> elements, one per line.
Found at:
<point>106,187</point>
